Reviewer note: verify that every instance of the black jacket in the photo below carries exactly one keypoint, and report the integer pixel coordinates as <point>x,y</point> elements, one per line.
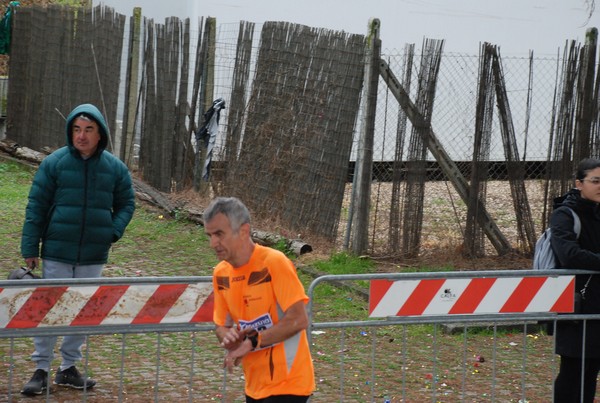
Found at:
<point>578,253</point>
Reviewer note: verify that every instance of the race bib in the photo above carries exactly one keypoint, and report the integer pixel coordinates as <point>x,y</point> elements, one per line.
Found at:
<point>263,322</point>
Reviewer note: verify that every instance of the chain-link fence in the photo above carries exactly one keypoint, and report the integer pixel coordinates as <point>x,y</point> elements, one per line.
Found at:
<point>525,129</point>
<point>288,136</point>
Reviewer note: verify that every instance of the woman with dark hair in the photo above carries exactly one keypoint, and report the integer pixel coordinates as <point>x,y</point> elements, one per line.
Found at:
<point>579,252</point>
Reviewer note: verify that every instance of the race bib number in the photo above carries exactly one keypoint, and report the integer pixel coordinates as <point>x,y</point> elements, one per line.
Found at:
<point>263,322</point>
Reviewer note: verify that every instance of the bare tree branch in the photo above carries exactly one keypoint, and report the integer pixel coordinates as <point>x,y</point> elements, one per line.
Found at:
<point>591,7</point>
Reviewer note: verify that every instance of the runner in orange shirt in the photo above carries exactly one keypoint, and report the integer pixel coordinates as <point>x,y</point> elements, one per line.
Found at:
<point>259,309</point>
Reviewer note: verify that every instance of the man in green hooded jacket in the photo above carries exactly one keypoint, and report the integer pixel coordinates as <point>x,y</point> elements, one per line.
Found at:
<point>80,203</point>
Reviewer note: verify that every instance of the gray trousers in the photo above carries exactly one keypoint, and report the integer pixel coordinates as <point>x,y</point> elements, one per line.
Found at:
<point>70,348</point>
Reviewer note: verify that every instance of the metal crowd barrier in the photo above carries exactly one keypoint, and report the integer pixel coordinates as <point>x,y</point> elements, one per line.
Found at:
<point>448,336</point>
<point>439,336</point>
<point>145,337</point>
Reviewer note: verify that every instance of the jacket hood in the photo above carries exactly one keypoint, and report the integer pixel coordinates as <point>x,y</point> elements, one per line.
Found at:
<point>574,200</point>
<point>569,199</point>
<point>94,113</point>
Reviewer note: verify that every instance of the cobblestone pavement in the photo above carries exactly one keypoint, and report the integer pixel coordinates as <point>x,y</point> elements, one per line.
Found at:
<point>353,365</point>
<point>149,373</point>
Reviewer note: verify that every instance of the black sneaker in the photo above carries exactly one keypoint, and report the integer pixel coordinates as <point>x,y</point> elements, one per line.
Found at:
<point>72,378</point>
<point>37,384</point>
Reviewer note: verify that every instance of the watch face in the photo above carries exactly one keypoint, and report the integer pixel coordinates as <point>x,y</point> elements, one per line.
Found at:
<point>254,339</point>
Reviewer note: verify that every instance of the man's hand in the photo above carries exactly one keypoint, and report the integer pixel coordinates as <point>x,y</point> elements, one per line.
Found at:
<point>232,339</point>
<point>32,262</point>
<point>231,362</point>
<point>234,356</point>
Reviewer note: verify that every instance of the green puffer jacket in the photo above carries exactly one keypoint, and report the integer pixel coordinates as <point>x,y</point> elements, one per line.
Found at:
<point>77,208</point>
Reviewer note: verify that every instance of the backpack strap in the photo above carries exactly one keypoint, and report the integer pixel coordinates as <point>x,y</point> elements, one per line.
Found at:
<point>577,229</point>
<point>576,222</point>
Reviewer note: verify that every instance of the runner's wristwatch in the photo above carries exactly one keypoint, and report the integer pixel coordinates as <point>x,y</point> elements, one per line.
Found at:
<point>253,337</point>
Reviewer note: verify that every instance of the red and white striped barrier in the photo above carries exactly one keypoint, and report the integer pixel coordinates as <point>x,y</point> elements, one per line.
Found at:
<point>22,308</point>
<point>471,296</point>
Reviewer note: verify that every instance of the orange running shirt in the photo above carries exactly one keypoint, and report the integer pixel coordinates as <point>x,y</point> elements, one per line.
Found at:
<point>257,294</point>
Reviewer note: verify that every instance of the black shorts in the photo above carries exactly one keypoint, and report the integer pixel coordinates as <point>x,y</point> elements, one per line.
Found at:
<point>279,399</point>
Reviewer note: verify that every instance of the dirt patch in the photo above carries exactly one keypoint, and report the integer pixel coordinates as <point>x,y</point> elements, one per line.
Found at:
<point>442,234</point>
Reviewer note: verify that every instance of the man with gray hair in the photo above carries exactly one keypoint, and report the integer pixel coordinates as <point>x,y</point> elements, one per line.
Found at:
<point>259,309</point>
